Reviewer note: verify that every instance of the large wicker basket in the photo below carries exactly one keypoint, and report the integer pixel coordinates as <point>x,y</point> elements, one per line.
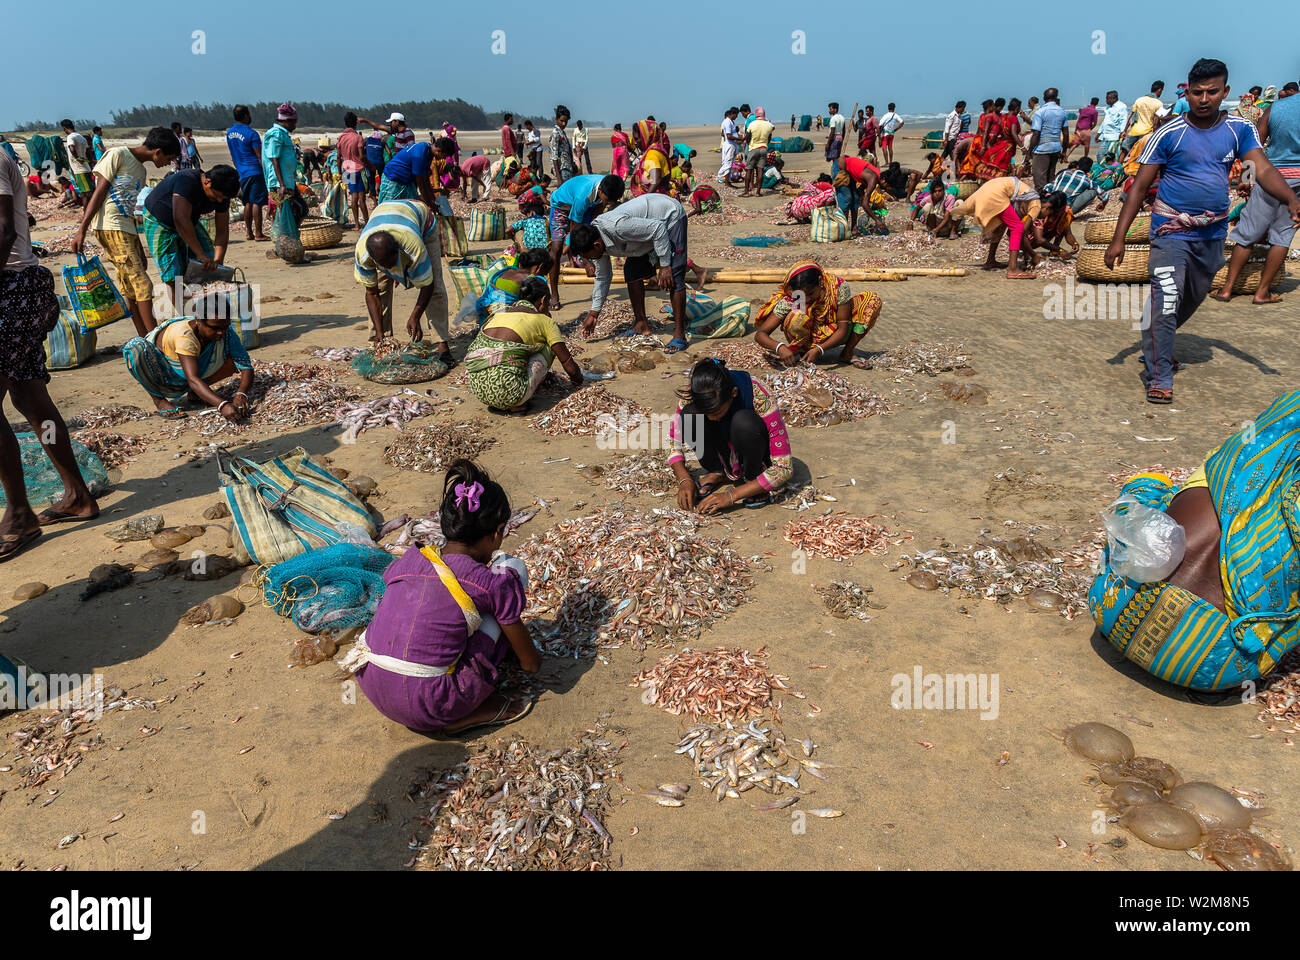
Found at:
<point>1091,264</point>
<point>316,233</point>
<point>966,188</point>
<point>1101,229</point>
<point>1251,273</point>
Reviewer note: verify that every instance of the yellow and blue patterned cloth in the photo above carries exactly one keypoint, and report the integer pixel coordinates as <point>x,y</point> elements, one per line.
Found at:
<point>1254,479</point>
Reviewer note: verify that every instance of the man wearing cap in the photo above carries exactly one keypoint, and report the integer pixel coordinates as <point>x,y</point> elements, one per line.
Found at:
<point>400,245</point>
<point>279,159</point>
<point>403,136</point>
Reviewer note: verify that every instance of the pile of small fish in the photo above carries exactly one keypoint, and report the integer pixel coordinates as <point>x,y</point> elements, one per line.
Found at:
<point>422,531</point>
<point>55,744</point>
<point>1178,475</point>
<point>591,411</point>
<point>635,473</point>
<point>731,761</point>
<point>641,351</point>
<point>1007,570</point>
<point>836,536</point>
<point>801,496</point>
<point>929,358</point>
<point>725,683</point>
<point>393,411</point>
<point>108,415</point>
<point>337,354</point>
<point>613,316</point>
<point>55,246</point>
<point>745,355</point>
<point>627,576</point>
<point>283,394</point>
<point>518,807</point>
<point>114,449</point>
<point>1279,694</point>
<point>728,215</point>
<point>433,448</point>
<point>847,600</point>
<point>812,397</point>
<point>904,247</point>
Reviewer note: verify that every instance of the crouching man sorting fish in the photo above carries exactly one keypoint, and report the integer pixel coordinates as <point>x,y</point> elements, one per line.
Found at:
<point>1229,611</point>
<point>432,656</point>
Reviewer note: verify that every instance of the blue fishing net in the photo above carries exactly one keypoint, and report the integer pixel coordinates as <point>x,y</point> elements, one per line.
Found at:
<point>43,482</point>
<point>759,241</point>
<point>332,588</point>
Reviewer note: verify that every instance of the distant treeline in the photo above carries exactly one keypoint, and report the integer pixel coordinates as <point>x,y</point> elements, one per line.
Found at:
<point>217,116</point>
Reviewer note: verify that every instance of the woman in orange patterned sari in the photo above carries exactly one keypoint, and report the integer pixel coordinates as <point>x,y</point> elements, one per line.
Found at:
<point>815,311</point>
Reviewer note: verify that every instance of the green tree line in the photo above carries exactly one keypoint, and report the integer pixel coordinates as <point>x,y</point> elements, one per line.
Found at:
<point>420,114</point>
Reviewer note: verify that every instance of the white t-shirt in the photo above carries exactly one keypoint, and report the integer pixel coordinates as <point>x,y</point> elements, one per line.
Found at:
<point>890,122</point>
<point>729,131</point>
<point>837,124</point>
<point>12,184</point>
<point>78,152</point>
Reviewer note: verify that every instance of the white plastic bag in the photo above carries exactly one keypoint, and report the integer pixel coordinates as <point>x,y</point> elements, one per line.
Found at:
<point>351,533</point>
<point>1146,544</point>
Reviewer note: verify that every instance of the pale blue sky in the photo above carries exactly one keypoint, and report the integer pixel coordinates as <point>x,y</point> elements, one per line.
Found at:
<point>620,62</point>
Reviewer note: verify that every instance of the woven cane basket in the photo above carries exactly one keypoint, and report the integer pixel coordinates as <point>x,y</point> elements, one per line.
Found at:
<point>316,233</point>
<point>1101,229</point>
<point>1091,264</point>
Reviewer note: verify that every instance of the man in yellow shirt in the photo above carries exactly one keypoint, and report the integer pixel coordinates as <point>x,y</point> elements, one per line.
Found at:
<point>760,136</point>
<point>1142,120</point>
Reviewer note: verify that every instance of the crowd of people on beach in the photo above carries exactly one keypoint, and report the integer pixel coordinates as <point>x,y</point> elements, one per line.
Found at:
<point>431,656</point>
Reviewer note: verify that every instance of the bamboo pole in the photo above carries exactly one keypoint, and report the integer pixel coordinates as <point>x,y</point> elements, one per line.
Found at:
<point>757,276</point>
<point>845,273</point>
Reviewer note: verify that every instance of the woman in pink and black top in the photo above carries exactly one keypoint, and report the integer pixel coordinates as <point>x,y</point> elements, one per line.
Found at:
<point>734,426</point>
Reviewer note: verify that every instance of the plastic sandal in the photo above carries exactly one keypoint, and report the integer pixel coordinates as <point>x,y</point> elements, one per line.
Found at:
<point>676,345</point>
<point>1160,395</point>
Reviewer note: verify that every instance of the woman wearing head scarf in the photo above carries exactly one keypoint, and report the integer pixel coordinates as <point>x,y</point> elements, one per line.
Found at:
<point>815,311</point>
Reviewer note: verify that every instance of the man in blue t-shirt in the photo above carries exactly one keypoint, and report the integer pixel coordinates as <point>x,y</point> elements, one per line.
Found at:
<point>1193,154</point>
<point>1049,125</point>
<point>406,176</point>
<point>245,147</point>
<point>577,202</point>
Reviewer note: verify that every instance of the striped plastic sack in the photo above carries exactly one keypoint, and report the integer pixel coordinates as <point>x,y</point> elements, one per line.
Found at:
<point>451,230</point>
<point>486,224</point>
<point>68,345</point>
<point>730,318</point>
<point>829,225</point>
<point>93,296</point>
<point>468,277</point>
<point>287,506</point>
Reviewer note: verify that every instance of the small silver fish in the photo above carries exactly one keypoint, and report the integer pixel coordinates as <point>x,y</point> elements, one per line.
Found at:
<point>826,813</point>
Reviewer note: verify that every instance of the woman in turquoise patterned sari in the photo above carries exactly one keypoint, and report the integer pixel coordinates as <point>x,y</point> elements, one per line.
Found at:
<point>1231,610</point>
<point>504,277</point>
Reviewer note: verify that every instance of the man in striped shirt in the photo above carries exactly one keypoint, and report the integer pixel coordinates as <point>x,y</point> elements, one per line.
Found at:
<point>400,244</point>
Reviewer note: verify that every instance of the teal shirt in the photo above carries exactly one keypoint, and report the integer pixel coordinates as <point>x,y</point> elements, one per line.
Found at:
<point>278,142</point>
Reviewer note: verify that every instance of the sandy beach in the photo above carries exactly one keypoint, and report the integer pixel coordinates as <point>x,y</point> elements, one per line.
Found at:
<point>919,788</point>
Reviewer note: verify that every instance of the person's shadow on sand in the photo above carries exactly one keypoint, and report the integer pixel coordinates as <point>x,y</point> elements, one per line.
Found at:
<point>1197,349</point>
<point>1132,671</point>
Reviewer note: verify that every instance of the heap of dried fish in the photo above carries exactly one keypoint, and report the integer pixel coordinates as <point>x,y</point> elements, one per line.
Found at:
<point>113,449</point>
<point>613,316</point>
<point>422,531</point>
<point>1178,475</point>
<point>393,411</point>
<point>929,358</point>
<point>745,354</point>
<point>836,536</point>
<point>627,576</point>
<point>591,411</point>
<point>518,807</point>
<point>433,448</point>
<point>108,415</point>
<point>337,354</point>
<point>636,473</point>
<point>54,744</point>
<point>813,397</point>
<point>725,683</point>
<point>1007,570</point>
<point>1279,694</point>
<point>733,760</point>
<point>283,394</point>
<point>847,600</point>
<point>801,496</point>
